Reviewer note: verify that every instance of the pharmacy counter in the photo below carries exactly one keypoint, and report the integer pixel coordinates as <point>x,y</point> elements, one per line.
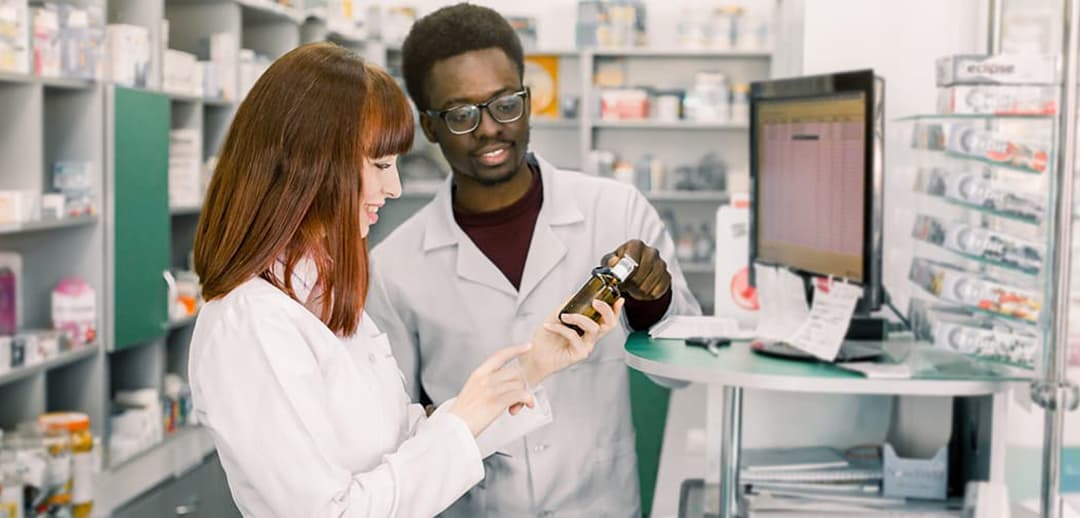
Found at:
<point>933,372</point>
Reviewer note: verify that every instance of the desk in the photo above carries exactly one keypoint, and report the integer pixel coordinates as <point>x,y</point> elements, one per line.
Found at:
<point>935,373</point>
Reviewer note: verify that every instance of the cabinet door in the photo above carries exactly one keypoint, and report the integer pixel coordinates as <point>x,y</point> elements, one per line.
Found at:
<point>141,214</point>
<point>150,504</point>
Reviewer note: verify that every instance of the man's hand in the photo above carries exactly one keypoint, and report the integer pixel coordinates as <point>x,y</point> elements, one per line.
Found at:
<point>651,279</point>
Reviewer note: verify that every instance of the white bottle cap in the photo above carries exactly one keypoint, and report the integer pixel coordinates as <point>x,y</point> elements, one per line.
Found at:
<point>624,268</point>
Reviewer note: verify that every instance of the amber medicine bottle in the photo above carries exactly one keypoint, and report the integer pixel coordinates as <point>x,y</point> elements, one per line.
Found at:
<point>603,285</point>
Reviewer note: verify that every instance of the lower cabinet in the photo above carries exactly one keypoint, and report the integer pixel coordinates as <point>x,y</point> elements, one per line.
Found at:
<point>201,492</point>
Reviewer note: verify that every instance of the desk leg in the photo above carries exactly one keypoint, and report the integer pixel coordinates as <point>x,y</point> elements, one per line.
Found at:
<point>731,437</point>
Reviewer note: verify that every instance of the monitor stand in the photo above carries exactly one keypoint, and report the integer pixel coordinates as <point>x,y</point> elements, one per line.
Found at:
<point>866,327</point>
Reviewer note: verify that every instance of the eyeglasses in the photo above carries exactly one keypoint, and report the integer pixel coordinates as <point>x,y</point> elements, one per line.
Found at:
<point>465,118</point>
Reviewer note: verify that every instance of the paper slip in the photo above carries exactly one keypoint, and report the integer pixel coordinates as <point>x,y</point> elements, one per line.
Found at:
<point>782,301</point>
<point>823,332</point>
<point>682,327</point>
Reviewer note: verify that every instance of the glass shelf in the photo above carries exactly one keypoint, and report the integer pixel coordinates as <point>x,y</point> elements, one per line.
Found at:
<point>973,191</point>
<point>952,117</point>
<point>1027,257</point>
<point>981,260</point>
<point>983,210</point>
<point>952,286</point>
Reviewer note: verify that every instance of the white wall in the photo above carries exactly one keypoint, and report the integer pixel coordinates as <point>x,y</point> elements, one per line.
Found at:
<point>900,41</point>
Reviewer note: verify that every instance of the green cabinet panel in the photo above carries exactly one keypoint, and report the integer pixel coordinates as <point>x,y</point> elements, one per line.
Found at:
<point>648,410</point>
<point>141,213</point>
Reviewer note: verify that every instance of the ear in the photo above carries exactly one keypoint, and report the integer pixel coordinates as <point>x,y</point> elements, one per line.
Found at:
<point>427,123</point>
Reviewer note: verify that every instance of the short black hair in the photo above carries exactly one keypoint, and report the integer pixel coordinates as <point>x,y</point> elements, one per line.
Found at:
<point>451,31</point>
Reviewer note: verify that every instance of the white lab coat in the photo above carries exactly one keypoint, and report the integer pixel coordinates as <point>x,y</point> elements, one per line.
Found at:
<point>311,424</point>
<point>446,306</point>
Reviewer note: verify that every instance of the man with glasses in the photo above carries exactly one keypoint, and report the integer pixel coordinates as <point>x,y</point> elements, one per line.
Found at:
<point>509,238</point>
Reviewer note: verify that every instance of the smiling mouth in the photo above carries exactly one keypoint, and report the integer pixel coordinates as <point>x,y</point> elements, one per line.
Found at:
<point>373,213</point>
<point>494,157</point>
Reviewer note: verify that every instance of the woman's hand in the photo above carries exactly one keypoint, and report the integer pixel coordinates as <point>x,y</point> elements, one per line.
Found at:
<point>556,346</point>
<point>493,388</point>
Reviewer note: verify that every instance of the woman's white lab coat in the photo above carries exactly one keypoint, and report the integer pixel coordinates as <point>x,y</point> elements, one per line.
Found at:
<point>311,424</point>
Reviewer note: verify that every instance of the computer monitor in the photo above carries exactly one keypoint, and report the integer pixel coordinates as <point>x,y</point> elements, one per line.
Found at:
<point>816,146</point>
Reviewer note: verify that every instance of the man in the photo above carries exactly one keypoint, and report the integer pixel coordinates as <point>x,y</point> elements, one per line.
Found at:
<point>503,245</point>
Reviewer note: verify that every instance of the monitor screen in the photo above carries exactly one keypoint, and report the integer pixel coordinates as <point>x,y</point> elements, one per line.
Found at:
<point>811,183</point>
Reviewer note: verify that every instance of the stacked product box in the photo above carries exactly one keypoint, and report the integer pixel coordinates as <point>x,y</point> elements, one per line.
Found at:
<point>185,166</point>
<point>980,252</point>
<point>128,48</point>
<point>219,58</point>
<point>14,36</point>
<point>182,73</point>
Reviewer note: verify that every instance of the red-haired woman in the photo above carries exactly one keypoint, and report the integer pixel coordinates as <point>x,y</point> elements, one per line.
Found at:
<point>297,386</point>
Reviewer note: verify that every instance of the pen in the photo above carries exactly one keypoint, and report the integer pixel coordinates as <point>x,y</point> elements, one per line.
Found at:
<point>709,344</point>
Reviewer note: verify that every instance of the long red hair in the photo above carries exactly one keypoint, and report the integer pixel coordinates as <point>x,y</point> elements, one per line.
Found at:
<point>288,179</point>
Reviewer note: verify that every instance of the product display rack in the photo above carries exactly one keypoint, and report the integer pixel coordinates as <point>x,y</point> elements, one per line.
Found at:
<point>982,185</point>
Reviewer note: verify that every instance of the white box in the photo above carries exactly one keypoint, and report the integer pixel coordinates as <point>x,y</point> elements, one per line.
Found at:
<point>998,99</point>
<point>14,36</point>
<point>128,48</point>
<point>48,51</point>
<point>1035,69</point>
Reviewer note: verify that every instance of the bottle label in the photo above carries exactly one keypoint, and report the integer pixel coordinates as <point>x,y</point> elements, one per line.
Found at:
<point>83,487</point>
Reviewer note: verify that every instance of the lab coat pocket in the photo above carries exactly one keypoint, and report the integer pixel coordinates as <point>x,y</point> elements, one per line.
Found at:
<point>384,359</point>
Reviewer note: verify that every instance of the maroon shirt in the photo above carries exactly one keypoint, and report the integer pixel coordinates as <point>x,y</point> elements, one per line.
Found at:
<point>504,236</point>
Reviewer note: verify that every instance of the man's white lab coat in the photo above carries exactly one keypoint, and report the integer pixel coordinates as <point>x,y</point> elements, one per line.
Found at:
<point>446,307</point>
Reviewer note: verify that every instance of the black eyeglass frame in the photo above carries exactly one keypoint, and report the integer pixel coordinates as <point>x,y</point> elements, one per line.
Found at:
<point>441,114</point>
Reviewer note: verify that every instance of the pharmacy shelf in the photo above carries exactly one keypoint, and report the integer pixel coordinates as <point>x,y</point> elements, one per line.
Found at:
<point>182,322</point>
<point>216,102</point>
<point>698,267</point>
<point>185,210</point>
<point>562,53</point>
<point>670,125</point>
<point>265,10</point>
<point>542,122</point>
<point>177,454</point>
<point>186,98</point>
<point>65,358</point>
<point>43,225</point>
<point>698,196</point>
<point>681,53</point>
<point>49,82</point>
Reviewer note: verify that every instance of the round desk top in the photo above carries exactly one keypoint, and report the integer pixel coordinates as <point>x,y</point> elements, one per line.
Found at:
<point>934,372</point>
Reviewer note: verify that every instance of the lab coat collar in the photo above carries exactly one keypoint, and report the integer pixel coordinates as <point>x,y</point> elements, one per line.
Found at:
<point>559,208</point>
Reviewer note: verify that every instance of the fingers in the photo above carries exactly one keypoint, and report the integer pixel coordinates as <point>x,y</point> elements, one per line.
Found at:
<point>566,333</point>
<point>500,357</point>
<point>584,323</point>
<point>608,317</point>
<point>610,259</point>
<point>657,282</point>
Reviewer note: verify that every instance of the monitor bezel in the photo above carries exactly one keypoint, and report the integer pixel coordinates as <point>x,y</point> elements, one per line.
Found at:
<point>856,81</point>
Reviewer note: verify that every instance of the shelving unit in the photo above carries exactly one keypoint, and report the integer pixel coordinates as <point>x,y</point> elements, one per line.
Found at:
<point>61,360</point>
<point>123,250</point>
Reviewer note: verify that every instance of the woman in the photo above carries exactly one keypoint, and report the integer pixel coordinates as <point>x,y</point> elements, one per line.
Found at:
<point>298,387</point>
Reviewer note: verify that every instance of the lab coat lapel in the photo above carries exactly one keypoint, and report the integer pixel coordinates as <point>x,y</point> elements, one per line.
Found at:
<point>547,249</point>
<point>472,264</point>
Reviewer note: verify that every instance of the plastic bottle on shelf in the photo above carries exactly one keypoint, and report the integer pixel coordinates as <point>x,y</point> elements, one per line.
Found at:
<point>684,246</point>
<point>703,244</point>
